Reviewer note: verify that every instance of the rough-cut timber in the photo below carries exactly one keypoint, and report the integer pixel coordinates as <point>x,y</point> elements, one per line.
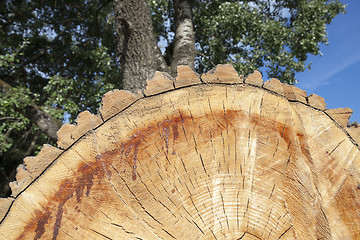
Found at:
<point>160,82</point>
<point>69,133</point>
<point>222,74</point>
<point>115,101</point>
<point>354,132</point>
<point>317,101</point>
<point>186,77</point>
<point>33,167</point>
<point>220,159</point>
<point>274,85</point>
<point>255,79</point>
<point>293,93</point>
<point>340,115</point>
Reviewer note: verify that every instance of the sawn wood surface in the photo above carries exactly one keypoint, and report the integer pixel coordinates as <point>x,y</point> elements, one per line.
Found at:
<point>213,157</point>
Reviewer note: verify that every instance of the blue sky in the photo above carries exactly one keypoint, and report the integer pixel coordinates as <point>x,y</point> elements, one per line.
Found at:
<point>335,75</point>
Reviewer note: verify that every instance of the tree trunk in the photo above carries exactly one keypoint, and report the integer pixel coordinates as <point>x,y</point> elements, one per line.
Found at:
<point>184,49</point>
<point>140,56</point>
<point>225,160</point>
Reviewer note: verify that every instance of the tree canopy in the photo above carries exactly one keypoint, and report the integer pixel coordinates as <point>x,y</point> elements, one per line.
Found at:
<point>58,58</point>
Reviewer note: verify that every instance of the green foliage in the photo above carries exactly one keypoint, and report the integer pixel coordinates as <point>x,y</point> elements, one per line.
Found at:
<point>271,36</point>
<point>16,131</point>
<point>70,39</point>
<point>162,12</point>
<point>72,95</point>
<point>66,64</point>
<point>10,118</point>
<point>66,95</point>
<point>12,122</point>
<point>274,36</point>
<point>10,59</point>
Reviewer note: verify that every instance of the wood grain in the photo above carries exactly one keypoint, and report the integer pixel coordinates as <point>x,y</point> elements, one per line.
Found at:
<point>219,160</point>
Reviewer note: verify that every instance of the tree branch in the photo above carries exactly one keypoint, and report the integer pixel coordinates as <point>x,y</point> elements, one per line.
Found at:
<point>139,53</point>
<point>45,122</point>
<point>96,15</point>
<point>6,118</point>
<point>255,1</point>
<point>24,136</point>
<point>32,145</point>
<point>7,134</point>
<point>184,49</point>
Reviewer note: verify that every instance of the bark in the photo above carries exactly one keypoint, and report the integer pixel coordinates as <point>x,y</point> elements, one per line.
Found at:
<point>139,56</point>
<point>44,121</point>
<point>184,49</point>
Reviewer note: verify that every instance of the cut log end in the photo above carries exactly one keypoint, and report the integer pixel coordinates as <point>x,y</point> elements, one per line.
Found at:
<point>161,82</point>
<point>255,79</point>
<point>186,77</point>
<point>33,167</point>
<point>274,85</point>
<point>222,74</point>
<point>340,115</point>
<point>68,133</point>
<point>5,204</point>
<point>226,160</point>
<point>115,101</point>
<point>317,102</point>
<point>293,93</point>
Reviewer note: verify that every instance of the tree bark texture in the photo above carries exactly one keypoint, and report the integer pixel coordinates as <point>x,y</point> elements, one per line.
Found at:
<point>44,121</point>
<point>184,49</point>
<point>139,56</point>
<point>221,158</point>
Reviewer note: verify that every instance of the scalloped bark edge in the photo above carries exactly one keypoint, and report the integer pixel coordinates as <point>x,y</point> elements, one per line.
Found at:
<point>115,101</point>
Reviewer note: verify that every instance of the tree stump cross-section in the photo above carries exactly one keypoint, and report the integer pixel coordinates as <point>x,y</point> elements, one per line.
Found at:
<point>217,157</point>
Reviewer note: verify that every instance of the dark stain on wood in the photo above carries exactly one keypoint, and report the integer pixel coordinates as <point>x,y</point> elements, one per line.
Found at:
<point>175,130</point>
<point>85,178</point>
<point>65,192</point>
<point>40,229</point>
<point>94,172</point>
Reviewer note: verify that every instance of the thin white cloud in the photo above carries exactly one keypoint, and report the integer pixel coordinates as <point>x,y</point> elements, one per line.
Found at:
<point>321,78</point>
